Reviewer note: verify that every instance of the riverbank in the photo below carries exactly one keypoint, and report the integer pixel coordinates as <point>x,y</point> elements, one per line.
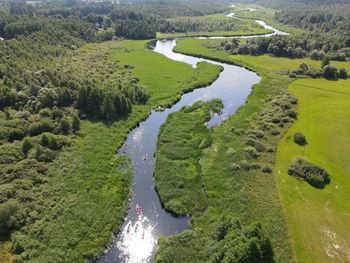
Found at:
<point>77,228</point>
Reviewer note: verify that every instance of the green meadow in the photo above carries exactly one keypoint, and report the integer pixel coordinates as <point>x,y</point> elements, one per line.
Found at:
<point>318,219</point>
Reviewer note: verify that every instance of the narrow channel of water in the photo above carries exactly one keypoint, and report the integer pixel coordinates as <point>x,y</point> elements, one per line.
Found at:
<point>137,241</point>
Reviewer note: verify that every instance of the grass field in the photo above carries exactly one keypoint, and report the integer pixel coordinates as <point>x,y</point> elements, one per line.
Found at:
<point>87,196</point>
<point>318,220</point>
<point>238,27</point>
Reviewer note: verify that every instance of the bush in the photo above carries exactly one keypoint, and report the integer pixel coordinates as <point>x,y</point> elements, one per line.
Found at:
<point>235,167</point>
<point>65,126</point>
<point>300,139</point>
<point>27,145</point>
<point>275,132</point>
<point>15,134</point>
<point>45,113</point>
<point>7,211</point>
<point>267,169</point>
<point>75,124</point>
<point>244,165</point>
<point>45,125</point>
<point>57,114</point>
<point>343,73</point>
<point>44,154</point>
<point>313,174</point>
<point>251,151</point>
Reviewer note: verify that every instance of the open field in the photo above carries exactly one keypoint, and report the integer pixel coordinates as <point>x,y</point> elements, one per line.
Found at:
<point>73,227</point>
<point>318,220</point>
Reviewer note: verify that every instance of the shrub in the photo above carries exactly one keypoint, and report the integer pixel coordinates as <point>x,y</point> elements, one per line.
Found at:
<point>251,151</point>
<point>330,72</point>
<point>275,132</point>
<point>44,154</point>
<point>45,113</point>
<point>267,169</point>
<point>343,73</point>
<point>45,139</point>
<point>75,124</point>
<point>57,114</point>
<point>27,145</point>
<point>300,139</point>
<point>293,114</point>
<point>231,152</point>
<point>235,167</point>
<point>270,149</point>
<point>244,165</point>
<point>15,134</point>
<point>313,174</point>
<point>7,211</point>
<point>45,125</point>
<point>65,126</point>
<point>256,166</point>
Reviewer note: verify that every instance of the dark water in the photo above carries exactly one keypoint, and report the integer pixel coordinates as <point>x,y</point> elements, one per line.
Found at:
<point>137,241</point>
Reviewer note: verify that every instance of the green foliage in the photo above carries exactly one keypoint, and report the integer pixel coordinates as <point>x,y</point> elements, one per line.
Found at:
<point>8,212</point>
<point>300,139</point>
<point>65,126</point>
<point>225,240</point>
<point>313,174</point>
<point>180,146</point>
<point>26,145</point>
<point>75,124</point>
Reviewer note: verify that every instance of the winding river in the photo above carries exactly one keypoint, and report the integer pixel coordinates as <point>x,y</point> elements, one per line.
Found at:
<point>137,241</point>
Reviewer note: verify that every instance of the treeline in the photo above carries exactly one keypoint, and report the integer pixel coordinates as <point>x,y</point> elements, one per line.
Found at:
<point>104,21</point>
<point>199,24</point>
<point>310,44</point>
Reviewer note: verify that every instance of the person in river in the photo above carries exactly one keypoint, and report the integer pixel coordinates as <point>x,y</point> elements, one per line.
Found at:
<point>145,157</point>
<point>138,209</point>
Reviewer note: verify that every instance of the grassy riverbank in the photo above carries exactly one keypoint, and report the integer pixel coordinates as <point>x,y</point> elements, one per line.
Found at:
<point>87,194</point>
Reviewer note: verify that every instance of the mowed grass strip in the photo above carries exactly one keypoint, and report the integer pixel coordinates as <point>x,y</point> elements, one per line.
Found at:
<point>318,219</point>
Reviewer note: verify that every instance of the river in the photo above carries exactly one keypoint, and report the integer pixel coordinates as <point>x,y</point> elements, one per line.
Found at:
<point>137,240</point>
